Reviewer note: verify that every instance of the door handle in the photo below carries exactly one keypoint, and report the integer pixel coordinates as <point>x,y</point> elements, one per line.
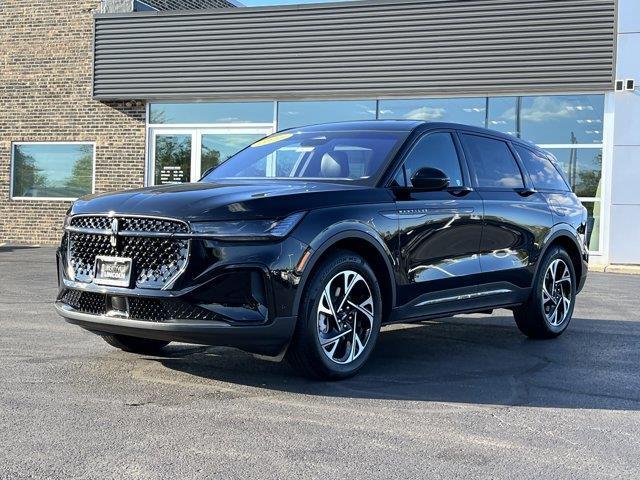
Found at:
<point>526,192</point>
<point>460,191</point>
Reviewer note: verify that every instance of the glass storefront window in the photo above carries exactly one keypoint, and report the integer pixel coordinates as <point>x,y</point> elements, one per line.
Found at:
<point>299,114</point>
<point>205,113</point>
<point>52,170</point>
<point>470,111</point>
<point>502,115</point>
<point>593,225</point>
<point>562,119</point>
<point>583,168</point>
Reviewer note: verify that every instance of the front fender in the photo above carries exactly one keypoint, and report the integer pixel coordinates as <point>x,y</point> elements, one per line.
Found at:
<point>339,232</point>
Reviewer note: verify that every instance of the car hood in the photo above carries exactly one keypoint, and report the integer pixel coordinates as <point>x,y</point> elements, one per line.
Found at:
<point>229,200</point>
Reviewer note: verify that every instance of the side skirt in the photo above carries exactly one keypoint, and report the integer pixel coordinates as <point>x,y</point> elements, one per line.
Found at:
<point>458,301</point>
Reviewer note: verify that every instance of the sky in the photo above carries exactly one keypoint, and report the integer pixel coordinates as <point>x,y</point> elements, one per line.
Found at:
<point>263,3</point>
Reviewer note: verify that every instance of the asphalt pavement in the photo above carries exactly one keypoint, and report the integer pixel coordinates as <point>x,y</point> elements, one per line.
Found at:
<point>467,397</point>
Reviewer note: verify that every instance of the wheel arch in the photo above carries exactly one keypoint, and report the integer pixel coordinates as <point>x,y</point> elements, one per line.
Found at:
<point>567,239</point>
<point>370,247</point>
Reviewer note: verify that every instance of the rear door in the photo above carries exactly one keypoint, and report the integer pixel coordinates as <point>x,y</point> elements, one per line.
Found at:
<point>516,218</point>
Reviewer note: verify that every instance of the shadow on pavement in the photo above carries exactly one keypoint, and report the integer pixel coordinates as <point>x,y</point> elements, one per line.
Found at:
<point>594,365</point>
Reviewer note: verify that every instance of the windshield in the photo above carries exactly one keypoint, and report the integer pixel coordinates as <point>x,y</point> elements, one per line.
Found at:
<point>343,155</point>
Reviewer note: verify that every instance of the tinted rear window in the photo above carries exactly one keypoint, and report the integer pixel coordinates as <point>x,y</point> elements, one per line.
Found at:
<point>493,163</point>
<point>543,173</point>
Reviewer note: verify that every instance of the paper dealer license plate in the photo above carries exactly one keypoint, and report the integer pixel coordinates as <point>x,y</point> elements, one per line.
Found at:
<point>115,271</point>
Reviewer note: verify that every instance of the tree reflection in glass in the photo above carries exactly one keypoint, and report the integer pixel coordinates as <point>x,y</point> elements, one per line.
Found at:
<point>55,170</point>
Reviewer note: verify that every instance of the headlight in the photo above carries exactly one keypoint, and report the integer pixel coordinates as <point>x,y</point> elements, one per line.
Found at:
<point>67,218</point>
<point>248,229</point>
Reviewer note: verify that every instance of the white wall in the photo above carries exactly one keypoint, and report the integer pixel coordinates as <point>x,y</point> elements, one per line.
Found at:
<point>624,213</point>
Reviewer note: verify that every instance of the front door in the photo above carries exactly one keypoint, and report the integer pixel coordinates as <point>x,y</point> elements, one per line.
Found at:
<point>440,231</point>
<point>178,155</point>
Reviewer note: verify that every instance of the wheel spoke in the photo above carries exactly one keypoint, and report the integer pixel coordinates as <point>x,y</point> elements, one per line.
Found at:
<point>326,296</point>
<point>331,352</point>
<point>329,341</point>
<point>358,342</point>
<point>353,340</point>
<point>362,310</point>
<point>553,270</point>
<point>566,277</point>
<point>567,303</point>
<point>545,293</point>
<point>348,286</point>
<point>553,318</point>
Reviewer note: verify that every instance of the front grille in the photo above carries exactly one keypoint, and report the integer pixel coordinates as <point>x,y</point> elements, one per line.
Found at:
<point>157,261</point>
<point>86,302</point>
<point>140,308</point>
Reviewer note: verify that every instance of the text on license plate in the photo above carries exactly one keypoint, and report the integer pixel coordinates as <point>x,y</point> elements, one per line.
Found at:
<point>114,271</point>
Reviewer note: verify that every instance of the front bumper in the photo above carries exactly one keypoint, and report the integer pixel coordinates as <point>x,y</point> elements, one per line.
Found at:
<point>230,295</point>
<point>269,339</point>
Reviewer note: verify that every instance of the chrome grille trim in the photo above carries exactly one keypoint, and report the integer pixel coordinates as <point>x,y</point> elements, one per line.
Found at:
<point>156,253</point>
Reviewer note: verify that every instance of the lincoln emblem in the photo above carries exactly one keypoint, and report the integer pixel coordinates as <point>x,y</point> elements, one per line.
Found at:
<point>114,232</point>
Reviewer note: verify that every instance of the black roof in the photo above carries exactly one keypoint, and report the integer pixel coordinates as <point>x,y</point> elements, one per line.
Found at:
<point>407,126</point>
<point>398,125</point>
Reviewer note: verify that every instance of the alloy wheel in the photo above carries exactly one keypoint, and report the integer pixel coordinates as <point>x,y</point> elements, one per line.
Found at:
<point>345,317</point>
<point>557,292</point>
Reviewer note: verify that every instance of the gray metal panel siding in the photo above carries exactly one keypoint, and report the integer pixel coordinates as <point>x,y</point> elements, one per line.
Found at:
<point>358,49</point>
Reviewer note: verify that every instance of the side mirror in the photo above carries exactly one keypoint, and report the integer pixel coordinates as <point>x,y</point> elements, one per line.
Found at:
<point>429,179</point>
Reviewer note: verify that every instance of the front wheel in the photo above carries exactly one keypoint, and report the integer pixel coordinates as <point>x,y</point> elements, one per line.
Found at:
<point>549,309</point>
<point>339,320</point>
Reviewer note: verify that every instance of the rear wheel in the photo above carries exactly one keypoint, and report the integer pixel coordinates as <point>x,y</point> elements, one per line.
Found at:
<point>339,319</point>
<point>135,344</point>
<point>549,309</point>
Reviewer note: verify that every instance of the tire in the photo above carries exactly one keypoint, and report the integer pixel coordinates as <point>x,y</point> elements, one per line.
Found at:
<point>535,318</point>
<point>135,344</point>
<point>343,353</point>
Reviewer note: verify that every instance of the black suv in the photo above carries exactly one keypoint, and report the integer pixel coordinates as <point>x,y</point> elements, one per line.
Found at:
<point>306,242</point>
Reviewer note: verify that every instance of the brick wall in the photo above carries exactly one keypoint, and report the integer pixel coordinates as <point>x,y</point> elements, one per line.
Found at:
<point>45,95</point>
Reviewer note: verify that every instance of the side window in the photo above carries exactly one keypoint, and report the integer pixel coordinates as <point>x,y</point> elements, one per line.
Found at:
<point>435,150</point>
<point>493,162</point>
<point>543,173</point>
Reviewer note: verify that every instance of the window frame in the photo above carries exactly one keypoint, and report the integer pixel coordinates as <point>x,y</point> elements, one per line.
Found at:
<point>524,175</point>
<point>50,199</point>
<point>394,170</point>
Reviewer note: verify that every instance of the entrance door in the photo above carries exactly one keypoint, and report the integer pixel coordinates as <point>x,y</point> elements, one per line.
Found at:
<point>178,155</point>
<point>172,156</point>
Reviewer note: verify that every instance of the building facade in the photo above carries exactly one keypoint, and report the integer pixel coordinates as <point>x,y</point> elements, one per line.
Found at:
<point>103,96</point>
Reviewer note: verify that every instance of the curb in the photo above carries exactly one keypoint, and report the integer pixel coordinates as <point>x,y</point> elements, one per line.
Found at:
<point>626,269</point>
